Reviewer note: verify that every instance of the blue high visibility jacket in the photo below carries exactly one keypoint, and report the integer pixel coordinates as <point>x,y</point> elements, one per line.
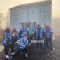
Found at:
<point>23,34</point>
<point>23,31</point>
<point>48,33</point>
<point>22,43</point>
<point>30,31</point>
<point>20,32</point>
<point>7,39</point>
<point>39,34</point>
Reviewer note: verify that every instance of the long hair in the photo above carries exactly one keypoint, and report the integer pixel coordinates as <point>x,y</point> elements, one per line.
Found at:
<point>7,30</point>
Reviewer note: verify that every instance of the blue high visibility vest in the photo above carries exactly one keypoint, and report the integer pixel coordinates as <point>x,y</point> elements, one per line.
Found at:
<point>39,34</point>
<point>22,43</point>
<point>7,39</point>
<point>48,33</point>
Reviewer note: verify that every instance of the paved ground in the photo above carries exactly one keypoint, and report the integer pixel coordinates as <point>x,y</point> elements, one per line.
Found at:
<point>54,56</point>
<point>56,45</point>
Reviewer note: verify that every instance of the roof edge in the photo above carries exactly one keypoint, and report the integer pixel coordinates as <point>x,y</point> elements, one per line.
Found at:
<point>28,4</point>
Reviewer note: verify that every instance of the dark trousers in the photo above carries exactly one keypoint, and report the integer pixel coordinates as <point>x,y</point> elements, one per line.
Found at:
<point>12,48</point>
<point>48,43</point>
<point>39,45</point>
<point>13,44</point>
<point>19,50</point>
<point>6,49</point>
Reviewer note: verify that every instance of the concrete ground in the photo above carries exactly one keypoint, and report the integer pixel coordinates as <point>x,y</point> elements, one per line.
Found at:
<point>54,56</point>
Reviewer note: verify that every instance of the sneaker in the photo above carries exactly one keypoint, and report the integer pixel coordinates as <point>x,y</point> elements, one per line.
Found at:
<point>48,54</point>
<point>26,55</point>
<point>7,56</point>
<point>53,49</point>
<point>12,53</point>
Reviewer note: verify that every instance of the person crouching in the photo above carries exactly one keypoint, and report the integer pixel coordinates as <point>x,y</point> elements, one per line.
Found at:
<point>21,45</point>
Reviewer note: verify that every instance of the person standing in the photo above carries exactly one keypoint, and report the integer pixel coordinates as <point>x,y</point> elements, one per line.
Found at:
<point>48,37</point>
<point>39,35</point>
<point>7,41</point>
<point>14,37</point>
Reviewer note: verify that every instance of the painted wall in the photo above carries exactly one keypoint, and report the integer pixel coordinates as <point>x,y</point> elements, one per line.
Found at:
<point>39,13</point>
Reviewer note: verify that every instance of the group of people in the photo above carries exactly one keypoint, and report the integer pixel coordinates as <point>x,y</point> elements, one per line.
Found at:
<point>19,40</point>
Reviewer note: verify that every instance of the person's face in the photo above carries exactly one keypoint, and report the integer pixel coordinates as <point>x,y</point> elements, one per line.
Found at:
<point>25,37</point>
<point>47,26</point>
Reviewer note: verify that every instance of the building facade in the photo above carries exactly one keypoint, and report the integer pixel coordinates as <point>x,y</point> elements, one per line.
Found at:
<point>39,12</point>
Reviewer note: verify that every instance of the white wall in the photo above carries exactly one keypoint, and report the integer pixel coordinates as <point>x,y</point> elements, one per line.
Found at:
<point>39,13</point>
